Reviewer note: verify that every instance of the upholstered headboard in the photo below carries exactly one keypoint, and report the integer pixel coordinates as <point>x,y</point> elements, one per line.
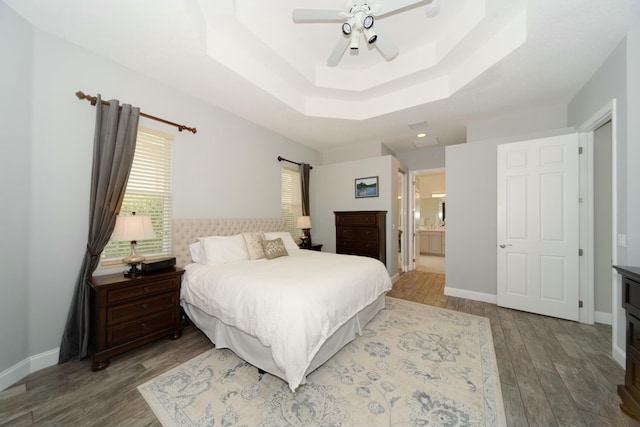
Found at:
<point>187,231</point>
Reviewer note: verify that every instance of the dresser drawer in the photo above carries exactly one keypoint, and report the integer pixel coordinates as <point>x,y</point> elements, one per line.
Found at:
<point>357,220</point>
<point>357,233</point>
<point>134,291</point>
<point>631,296</point>
<point>129,331</point>
<point>141,308</point>
<point>352,247</point>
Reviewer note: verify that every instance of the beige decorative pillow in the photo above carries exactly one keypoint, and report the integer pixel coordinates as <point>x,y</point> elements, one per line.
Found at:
<point>274,248</point>
<point>254,244</point>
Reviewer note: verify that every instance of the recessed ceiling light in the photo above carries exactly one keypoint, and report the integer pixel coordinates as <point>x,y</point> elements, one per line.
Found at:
<point>421,135</point>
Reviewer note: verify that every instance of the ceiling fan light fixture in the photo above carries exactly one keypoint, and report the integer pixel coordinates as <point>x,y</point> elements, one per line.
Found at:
<point>433,9</point>
<point>346,28</point>
<point>367,22</point>
<point>353,44</point>
<point>370,36</point>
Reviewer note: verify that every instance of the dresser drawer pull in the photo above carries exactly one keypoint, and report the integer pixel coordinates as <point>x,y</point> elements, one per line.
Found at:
<point>145,306</point>
<point>146,289</point>
<point>144,326</point>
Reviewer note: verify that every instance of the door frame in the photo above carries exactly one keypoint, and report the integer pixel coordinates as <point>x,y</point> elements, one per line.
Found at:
<point>605,114</point>
<point>403,219</point>
<point>412,210</point>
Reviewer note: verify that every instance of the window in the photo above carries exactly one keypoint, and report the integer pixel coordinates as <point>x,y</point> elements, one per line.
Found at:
<point>291,199</point>
<point>148,192</point>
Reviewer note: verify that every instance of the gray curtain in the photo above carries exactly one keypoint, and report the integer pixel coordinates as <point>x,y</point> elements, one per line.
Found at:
<point>113,149</point>
<point>304,180</point>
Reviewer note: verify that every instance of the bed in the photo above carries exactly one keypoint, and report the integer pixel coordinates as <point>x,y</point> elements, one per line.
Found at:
<point>286,315</point>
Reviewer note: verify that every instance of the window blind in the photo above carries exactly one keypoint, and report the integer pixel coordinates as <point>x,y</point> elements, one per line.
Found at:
<point>148,192</point>
<point>291,199</point>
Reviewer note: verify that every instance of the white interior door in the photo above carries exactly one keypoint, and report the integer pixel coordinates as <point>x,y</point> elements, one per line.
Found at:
<point>538,226</point>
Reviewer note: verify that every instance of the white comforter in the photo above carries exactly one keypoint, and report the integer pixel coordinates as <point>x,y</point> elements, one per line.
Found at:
<point>291,304</point>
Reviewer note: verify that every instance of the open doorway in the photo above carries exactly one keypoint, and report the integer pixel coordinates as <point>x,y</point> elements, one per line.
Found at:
<point>430,221</point>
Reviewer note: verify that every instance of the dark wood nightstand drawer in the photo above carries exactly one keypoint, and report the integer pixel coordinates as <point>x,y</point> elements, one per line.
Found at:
<point>130,331</point>
<point>144,289</point>
<point>140,308</point>
<point>128,312</point>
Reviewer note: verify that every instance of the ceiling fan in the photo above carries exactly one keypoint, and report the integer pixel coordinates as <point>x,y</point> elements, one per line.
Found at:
<point>359,17</point>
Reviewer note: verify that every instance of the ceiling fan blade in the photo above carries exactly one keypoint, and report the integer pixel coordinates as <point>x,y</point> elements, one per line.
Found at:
<point>394,6</point>
<point>318,15</point>
<point>386,46</point>
<point>338,51</point>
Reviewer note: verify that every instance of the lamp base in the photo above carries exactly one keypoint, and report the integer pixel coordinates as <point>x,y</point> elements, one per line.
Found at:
<point>133,271</point>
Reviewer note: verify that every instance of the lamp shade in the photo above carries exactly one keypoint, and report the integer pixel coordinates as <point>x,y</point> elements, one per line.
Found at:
<point>133,228</point>
<point>303,222</point>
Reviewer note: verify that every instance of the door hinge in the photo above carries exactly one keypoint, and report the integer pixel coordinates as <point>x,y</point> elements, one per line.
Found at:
<point>580,252</point>
<point>580,304</point>
<point>579,150</point>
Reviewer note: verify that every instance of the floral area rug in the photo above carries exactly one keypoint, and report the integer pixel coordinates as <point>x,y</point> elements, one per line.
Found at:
<point>414,365</point>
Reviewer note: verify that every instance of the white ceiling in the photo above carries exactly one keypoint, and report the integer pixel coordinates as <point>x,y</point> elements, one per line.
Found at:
<point>477,59</point>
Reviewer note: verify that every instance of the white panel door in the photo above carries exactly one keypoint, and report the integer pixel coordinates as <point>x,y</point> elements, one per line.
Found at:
<point>538,226</point>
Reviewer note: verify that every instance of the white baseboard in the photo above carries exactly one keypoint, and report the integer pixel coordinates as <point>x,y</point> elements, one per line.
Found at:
<point>472,295</point>
<point>395,278</point>
<point>603,318</point>
<point>28,366</point>
<point>619,356</point>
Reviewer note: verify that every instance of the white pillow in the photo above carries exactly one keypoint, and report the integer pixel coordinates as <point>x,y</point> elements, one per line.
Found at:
<point>223,249</point>
<point>286,238</point>
<point>195,249</point>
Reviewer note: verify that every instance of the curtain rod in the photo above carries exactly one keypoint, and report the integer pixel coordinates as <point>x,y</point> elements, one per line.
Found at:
<point>81,95</point>
<point>282,159</point>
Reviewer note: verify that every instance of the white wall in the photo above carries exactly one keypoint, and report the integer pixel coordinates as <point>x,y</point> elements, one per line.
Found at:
<point>15,148</point>
<point>337,193</point>
<point>228,169</point>
<point>617,78</point>
<point>427,158</point>
<point>472,220</point>
<point>355,152</point>
<point>522,122</point>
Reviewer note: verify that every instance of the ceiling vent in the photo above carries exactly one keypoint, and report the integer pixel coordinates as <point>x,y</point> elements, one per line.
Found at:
<point>418,125</point>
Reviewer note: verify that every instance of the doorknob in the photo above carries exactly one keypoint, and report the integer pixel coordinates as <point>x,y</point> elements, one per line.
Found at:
<point>504,246</point>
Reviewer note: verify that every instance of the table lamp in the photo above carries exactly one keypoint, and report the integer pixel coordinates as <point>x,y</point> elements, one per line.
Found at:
<point>304,223</point>
<point>132,228</point>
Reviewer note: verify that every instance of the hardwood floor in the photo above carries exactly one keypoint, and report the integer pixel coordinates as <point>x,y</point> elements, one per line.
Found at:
<point>553,372</point>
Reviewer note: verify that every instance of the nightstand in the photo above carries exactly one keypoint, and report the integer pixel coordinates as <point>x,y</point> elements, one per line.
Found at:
<point>313,247</point>
<point>128,312</point>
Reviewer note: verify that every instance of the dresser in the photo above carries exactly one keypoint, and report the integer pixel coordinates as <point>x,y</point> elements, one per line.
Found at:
<point>127,312</point>
<point>629,392</point>
<point>362,233</point>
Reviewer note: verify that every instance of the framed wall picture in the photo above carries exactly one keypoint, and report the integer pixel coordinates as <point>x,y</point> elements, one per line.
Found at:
<point>367,187</point>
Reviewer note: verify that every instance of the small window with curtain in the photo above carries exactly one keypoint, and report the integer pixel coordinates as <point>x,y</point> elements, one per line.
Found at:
<point>148,192</point>
<point>291,199</point>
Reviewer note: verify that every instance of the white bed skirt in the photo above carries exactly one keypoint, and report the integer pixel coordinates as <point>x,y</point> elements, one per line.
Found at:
<point>250,349</point>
